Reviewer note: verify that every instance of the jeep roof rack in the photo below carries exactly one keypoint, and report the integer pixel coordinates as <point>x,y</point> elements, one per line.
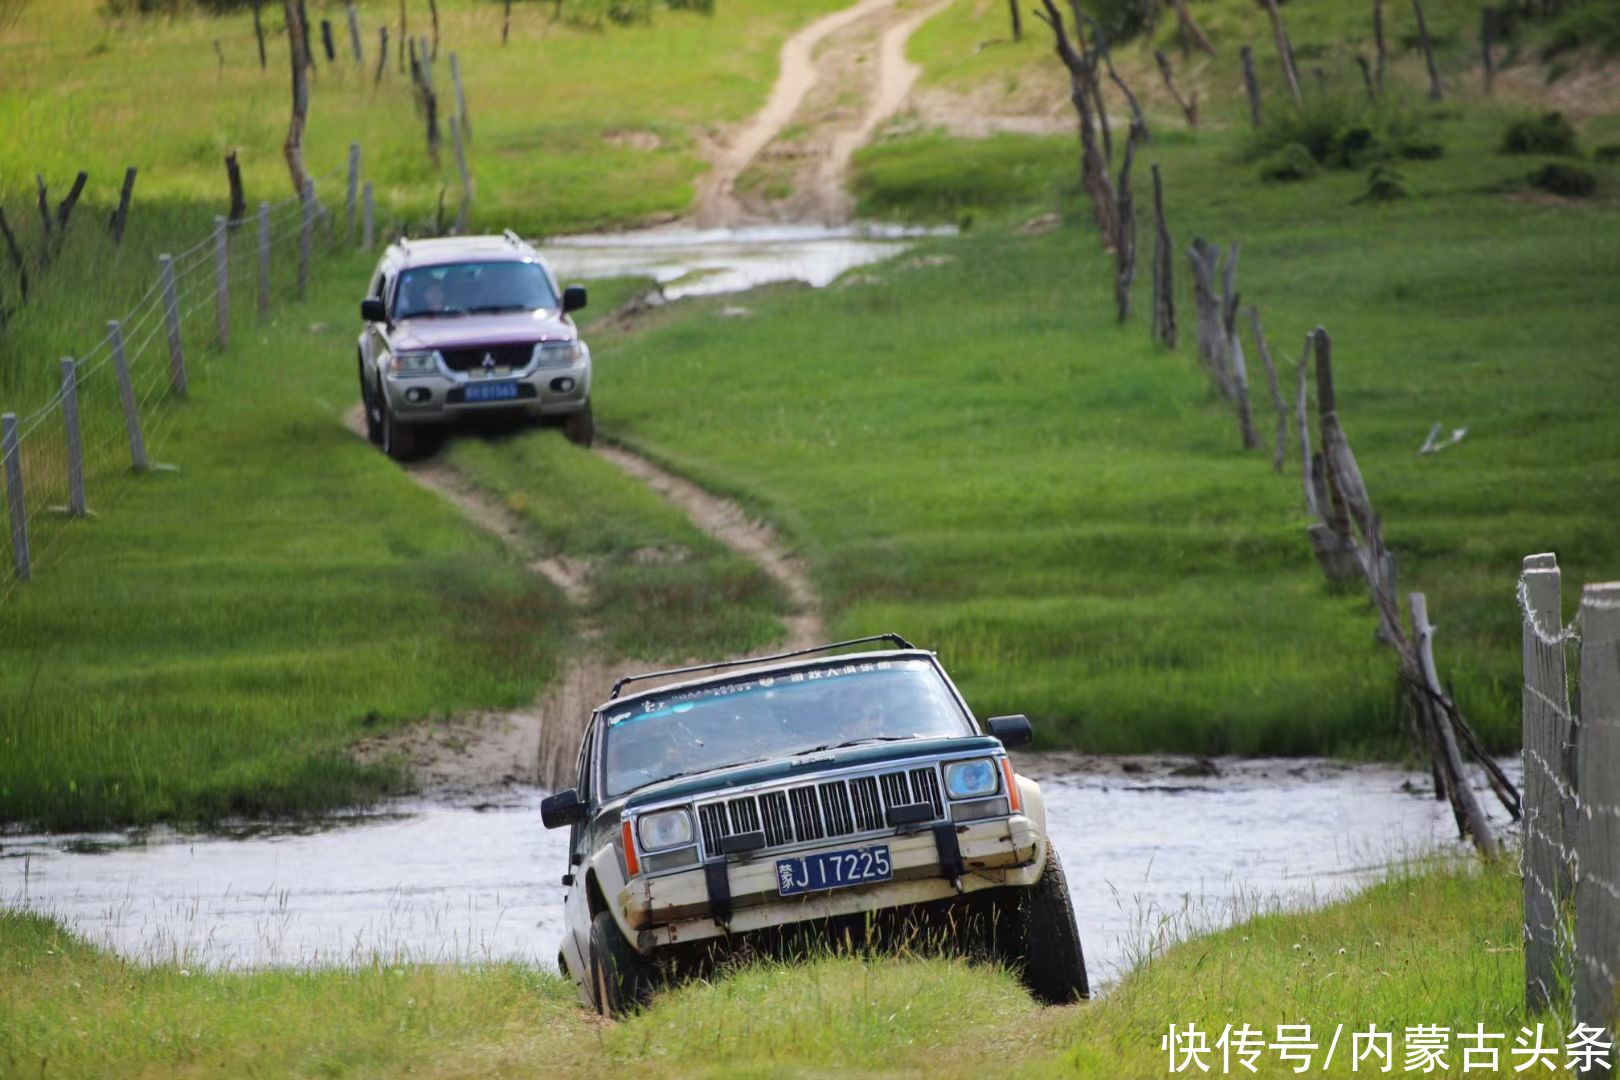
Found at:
<point>898,641</point>
<point>512,238</point>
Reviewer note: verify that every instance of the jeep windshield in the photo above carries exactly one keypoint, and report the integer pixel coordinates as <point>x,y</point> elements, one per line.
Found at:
<point>471,288</point>
<point>765,717</point>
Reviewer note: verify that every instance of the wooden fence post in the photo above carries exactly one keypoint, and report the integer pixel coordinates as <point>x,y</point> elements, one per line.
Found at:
<point>16,505</point>
<point>1125,233</point>
<point>1251,84</point>
<point>1548,781</point>
<point>354,35</point>
<point>461,98</point>
<point>73,437</point>
<point>326,41</point>
<point>506,20</point>
<point>258,32</point>
<point>171,320</point>
<point>1302,418</point>
<point>1597,882</point>
<point>353,190</point>
<point>382,54</point>
<point>222,284</point>
<point>121,215</point>
<point>1237,370</point>
<point>1164,302</point>
<point>126,398</point>
<point>1435,93</point>
<point>233,177</point>
<point>1189,109</point>
<point>1280,452</point>
<point>1285,50</point>
<point>369,218</point>
<point>1487,38</point>
<point>464,211</point>
<point>1378,40</point>
<point>264,260</point>
<point>306,236</point>
<point>17,260</point>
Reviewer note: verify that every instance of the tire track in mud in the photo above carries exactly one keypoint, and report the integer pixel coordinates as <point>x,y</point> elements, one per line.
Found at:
<point>483,752</point>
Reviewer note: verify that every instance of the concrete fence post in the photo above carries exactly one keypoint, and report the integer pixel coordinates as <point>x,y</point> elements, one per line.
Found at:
<point>17,507</point>
<point>349,220</point>
<point>73,437</point>
<point>264,260</point>
<point>222,283</point>
<point>1597,875</point>
<point>369,216</point>
<point>126,398</point>
<point>306,235</point>
<point>171,319</point>
<point>1548,783</point>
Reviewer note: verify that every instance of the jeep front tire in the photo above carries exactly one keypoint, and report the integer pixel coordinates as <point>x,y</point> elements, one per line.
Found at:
<point>1045,942</point>
<point>620,979</point>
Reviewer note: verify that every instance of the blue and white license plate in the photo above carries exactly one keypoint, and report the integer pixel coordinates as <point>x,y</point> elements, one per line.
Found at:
<point>833,870</point>
<point>492,391</point>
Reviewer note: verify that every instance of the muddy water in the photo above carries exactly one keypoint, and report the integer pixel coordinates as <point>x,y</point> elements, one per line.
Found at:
<point>707,262</point>
<point>1148,854</point>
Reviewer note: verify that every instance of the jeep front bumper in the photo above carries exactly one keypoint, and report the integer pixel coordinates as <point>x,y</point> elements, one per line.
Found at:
<point>442,395</point>
<point>689,905</point>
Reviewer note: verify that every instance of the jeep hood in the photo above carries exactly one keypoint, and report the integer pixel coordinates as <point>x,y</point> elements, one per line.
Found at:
<point>504,328</point>
<point>719,781</point>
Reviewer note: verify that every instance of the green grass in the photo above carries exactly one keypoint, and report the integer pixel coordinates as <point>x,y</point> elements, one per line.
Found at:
<point>976,455</point>
<point>1433,947</point>
<point>659,588</point>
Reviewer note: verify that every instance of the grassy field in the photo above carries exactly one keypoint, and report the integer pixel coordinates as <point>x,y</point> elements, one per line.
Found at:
<point>1434,947</point>
<point>974,453</point>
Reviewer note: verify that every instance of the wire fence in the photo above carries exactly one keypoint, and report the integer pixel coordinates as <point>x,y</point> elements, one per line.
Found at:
<point>1571,856</point>
<point>81,451</point>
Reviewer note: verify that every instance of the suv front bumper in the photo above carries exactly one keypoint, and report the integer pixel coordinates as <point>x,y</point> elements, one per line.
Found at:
<point>440,397</point>
<point>676,907</point>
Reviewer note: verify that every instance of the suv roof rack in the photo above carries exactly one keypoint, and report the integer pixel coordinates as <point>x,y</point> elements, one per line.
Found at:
<point>513,238</point>
<point>898,641</point>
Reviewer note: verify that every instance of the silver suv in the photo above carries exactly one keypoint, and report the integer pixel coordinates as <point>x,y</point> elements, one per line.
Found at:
<point>469,326</point>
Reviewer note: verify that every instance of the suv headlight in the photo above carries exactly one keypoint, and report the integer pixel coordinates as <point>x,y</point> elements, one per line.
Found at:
<point>558,353</point>
<point>971,779</point>
<point>414,362</point>
<point>664,829</point>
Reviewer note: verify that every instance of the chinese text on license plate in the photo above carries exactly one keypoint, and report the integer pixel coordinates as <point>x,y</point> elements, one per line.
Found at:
<point>833,870</point>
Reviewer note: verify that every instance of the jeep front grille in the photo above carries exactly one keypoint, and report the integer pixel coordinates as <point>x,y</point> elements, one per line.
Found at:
<point>820,811</point>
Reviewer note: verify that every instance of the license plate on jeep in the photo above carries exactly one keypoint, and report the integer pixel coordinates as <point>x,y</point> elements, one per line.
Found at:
<point>833,870</point>
<point>492,391</point>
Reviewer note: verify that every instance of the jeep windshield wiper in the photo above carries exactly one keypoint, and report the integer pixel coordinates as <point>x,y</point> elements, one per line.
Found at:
<point>855,742</point>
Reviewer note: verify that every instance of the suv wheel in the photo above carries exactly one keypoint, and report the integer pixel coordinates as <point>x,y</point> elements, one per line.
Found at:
<point>620,979</point>
<point>368,403</point>
<point>1045,942</point>
<point>579,428</point>
<point>402,442</point>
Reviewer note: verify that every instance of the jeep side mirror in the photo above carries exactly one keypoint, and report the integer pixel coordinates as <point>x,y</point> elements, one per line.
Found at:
<point>573,298</point>
<point>562,809</point>
<point>373,310</point>
<point>1011,730</point>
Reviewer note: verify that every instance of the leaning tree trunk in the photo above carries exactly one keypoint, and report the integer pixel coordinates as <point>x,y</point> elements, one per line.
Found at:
<point>293,148</point>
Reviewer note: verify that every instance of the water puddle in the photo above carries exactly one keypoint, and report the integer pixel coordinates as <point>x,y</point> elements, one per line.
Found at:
<point>1148,856</point>
<point>708,262</point>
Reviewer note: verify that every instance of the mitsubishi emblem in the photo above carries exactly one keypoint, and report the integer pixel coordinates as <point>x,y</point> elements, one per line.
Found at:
<point>489,361</point>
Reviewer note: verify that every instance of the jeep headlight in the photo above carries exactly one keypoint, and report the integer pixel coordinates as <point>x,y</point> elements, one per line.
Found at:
<point>971,779</point>
<point>661,830</point>
<point>414,362</point>
<point>558,353</point>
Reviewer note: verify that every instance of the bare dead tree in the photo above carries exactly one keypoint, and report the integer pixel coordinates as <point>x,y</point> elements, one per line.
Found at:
<point>1164,303</point>
<point>293,148</point>
<point>1189,109</point>
<point>1093,172</point>
<point>1435,93</point>
<point>1251,84</point>
<point>433,13</point>
<point>303,34</point>
<point>1367,77</point>
<point>1378,40</point>
<point>382,55</point>
<point>1012,7</point>
<point>1285,50</point>
<point>1125,234</point>
<point>1101,50</point>
<point>258,32</point>
<point>13,250</point>
<point>1190,28</point>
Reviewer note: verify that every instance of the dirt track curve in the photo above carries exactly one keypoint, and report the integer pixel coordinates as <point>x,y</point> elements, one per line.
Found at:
<point>484,751</point>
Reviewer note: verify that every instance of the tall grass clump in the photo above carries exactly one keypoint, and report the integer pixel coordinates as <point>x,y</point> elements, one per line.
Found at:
<point>1594,24</point>
<point>1338,131</point>
<point>1549,133</point>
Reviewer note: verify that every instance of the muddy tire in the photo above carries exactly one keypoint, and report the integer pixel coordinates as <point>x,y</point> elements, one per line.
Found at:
<point>620,979</point>
<point>1044,942</point>
<point>402,442</point>
<point>369,405</point>
<point>580,428</point>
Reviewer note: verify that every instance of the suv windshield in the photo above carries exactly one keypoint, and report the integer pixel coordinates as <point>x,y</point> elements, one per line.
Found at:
<point>472,287</point>
<point>768,716</point>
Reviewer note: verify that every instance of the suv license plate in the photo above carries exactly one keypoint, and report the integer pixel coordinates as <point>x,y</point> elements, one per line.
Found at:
<point>495,391</point>
<point>833,870</point>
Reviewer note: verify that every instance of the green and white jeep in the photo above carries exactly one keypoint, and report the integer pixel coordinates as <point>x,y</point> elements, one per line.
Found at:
<point>796,795</point>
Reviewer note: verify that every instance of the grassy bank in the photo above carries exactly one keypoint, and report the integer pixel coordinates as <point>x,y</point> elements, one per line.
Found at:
<point>971,450</point>
<point>1431,948</point>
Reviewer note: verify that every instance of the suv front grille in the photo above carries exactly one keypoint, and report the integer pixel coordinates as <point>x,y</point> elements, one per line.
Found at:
<point>471,358</point>
<point>820,811</point>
